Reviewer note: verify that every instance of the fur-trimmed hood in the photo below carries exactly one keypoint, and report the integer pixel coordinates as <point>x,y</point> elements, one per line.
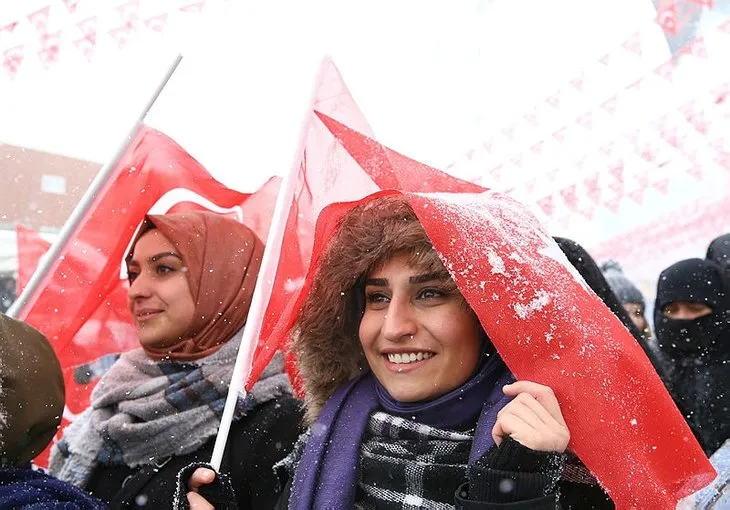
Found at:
<point>325,334</point>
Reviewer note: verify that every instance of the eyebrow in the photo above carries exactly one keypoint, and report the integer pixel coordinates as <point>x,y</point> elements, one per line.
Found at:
<point>421,278</point>
<point>155,258</point>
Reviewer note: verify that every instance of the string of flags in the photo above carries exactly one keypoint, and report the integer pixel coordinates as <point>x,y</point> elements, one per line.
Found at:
<point>586,147</point>
<point>76,28</point>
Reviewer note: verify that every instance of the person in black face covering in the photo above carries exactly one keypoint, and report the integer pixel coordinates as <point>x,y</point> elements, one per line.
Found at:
<point>692,324</point>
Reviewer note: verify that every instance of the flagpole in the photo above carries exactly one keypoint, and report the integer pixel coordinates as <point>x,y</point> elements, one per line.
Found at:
<point>49,260</point>
<point>264,286</point>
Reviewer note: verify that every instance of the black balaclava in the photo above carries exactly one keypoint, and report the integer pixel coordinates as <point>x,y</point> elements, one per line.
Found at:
<point>697,350</point>
<point>696,281</point>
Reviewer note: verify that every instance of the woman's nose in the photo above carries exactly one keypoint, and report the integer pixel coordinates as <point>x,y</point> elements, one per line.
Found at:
<point>399,322</point>
<point>139,288</point>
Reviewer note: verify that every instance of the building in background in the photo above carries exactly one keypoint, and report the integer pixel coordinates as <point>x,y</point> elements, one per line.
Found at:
<point>39,190</point>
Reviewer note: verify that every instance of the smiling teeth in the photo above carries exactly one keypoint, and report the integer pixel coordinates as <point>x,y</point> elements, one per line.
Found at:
<point>409,357</point>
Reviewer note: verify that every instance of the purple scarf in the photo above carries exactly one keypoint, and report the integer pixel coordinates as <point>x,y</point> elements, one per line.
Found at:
<point>327,477</point>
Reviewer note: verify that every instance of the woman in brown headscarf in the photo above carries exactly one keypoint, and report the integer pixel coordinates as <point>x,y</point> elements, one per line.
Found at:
<point>158,409</point>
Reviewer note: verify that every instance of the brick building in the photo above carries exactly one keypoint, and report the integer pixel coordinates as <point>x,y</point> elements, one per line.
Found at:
<point>38,189</point>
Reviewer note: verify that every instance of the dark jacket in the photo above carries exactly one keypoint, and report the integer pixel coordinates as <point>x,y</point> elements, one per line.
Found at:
<point>255,444</point>
<point>697,351</point>
<point>22,487</point>
<point>516,478</point>
<point>31,404</point>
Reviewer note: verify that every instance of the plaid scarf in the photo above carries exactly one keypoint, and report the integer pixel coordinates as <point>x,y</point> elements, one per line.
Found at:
<point>144,411</point>
<point>326,475</point>
<point>408,465</point>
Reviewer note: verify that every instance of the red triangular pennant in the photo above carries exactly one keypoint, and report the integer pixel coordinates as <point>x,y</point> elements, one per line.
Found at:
<point>586,120</point>
<point>509,132</point>
<point>121,35</point>
<point>695,116</point>
<point>39,19</point>
<point>86,47</point>
<point>50,48</point>
<point>88,28</point>
<point>12,58</point>
<point>554,100</point>
<point>194,7</point>
<point>569,196</point>
<point>605,59</point>
<point>592,189</point>
<point>559,135</point>
<point>156,23</point>
<point>696,172</point>
<point>662,185</point>
<point>617,171</point>
<point>666,70</point>
<point>636,86</point>
<point>613,204</point>
<point>577,83</point>
<point>546,204</point>
<point>637,196</point>
<point>9,27</point>
<point>128,9</point>
<point>633,44</point>
<point>607,148</point>
<point>71,5</point>
<point>610,104</point>
<point>537,148</point>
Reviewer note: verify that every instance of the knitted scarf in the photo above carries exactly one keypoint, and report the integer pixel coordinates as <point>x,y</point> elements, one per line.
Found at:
<point>327,477</point>
<point>144,411</point>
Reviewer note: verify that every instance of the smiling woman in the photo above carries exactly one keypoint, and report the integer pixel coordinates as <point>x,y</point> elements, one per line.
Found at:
<point>410,405</point>
<point>159,294</point>
<point>158,409</point>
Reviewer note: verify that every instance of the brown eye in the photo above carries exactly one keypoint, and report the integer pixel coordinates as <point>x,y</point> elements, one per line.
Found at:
<point>431,293</point>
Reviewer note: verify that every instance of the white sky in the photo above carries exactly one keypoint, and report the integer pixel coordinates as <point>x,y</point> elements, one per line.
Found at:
<point>431,76</point>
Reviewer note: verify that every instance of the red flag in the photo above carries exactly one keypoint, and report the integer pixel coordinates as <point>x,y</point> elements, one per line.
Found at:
<point>329,172</point>
<point>612,398</point>
<point>88,271</point>
<point>551,328</point>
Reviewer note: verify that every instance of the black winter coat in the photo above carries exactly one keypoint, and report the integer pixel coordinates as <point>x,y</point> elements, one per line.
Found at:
<point>531,478</point>
<point>256,442</point>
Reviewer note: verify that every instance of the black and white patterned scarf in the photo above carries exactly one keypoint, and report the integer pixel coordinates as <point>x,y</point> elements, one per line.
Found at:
<point>406,465</point>
<point>409,465</point>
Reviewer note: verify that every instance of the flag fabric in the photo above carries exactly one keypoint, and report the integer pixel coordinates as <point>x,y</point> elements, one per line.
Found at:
<point>87,272</point>
<point>328,172</point>
<point>547,324</point>
<point>82,307</point>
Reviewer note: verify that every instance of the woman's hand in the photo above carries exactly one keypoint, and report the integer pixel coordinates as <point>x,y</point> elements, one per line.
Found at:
<point>200,477</point>
<point>532,418</point>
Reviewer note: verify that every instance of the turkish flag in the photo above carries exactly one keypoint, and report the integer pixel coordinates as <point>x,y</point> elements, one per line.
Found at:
<point>328,171</point>
<point>547,324</point>
<point>84,282</point>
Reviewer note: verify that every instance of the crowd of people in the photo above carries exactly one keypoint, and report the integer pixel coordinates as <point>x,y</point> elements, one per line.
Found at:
<point>407,403</point>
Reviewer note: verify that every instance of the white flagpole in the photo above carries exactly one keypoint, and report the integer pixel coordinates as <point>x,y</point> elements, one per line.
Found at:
<point>264,286</point>
<point>50,259</point>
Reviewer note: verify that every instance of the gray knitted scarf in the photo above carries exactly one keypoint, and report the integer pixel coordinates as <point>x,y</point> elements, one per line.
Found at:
<point>144,411</point>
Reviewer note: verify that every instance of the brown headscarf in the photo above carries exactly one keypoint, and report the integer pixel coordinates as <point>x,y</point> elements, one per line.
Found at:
<point>31,392</point>
<point>222,258</point>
